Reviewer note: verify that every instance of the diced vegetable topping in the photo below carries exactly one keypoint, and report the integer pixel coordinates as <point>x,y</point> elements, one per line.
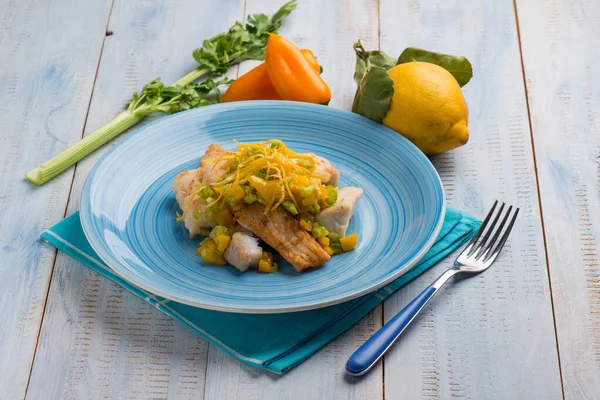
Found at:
<point>250,198</point>
<point>205,192</point>
<point>219,229</point>
<point>204,231</point>
<point>323,241</point>
<point>290,207</point>
<point>209,252</point>
<point>222,241</point>
<point>332,194</point>
<point>334,237</point>
<point>319,231</point>
<point>275,267</point>
<point>266,262</point>
<point>336,247</point>
<point>224,218</point>
<point>306,224</point>
<point>272,174</point>
<point>349,242</point>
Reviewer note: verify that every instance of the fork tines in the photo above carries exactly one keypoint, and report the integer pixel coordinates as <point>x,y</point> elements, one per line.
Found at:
<point>481,247</point>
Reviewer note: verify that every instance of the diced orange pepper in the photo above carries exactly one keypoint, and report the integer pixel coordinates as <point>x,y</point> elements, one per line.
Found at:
<point>222,241</point>
<point>323,241</point>
<point>266,262</point>
<point>224,218</point>
<point>257,183</point>
<point>292,75</point>
<point>268,190</point>
<point>322,192</point>
<point>237,192</point>
<point>208,252</point>
<point>301,181</point>
<point>272,191</point>
<point>307,225</point>
<point>349,242</point>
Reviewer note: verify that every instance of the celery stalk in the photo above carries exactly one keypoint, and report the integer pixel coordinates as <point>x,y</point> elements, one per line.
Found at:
<point>79,150</point>
<point>123,121</point>
<point>191,76</point>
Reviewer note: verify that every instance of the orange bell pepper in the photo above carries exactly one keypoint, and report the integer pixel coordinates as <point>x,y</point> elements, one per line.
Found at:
<point>256,84</point>
<point>312,60</point>
<point>292,75</point>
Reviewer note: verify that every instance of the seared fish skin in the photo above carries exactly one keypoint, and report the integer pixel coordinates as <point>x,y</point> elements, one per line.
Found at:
<point>285,234</point>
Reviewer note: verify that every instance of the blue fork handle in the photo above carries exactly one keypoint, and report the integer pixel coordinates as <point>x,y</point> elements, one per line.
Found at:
<point>371,351</point>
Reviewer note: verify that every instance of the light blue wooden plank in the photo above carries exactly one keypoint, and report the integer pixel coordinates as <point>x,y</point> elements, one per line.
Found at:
<point>329,28</point>
<point>561,62</point>
<point>490,336</point>
<point>97,340</point>
<point>47,68</point>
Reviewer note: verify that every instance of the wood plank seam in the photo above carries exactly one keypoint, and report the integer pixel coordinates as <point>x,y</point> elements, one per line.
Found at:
<point>237,75</point>
<point>31,362</point>
<point>537,182</point>
<point>382,305</point>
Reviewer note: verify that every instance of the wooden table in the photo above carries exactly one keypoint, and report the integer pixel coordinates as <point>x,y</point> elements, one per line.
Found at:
<point>529,328</point>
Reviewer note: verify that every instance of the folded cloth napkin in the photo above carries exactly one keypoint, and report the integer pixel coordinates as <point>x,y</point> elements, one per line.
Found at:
<point>292,337</point>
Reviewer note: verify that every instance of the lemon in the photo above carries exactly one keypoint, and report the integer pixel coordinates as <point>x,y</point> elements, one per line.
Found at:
<point>428,107</point>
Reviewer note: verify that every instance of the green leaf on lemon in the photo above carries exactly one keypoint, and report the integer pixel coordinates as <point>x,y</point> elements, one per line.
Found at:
<point>374,94</point>
<point>459,67</point>
<point>375,58</point>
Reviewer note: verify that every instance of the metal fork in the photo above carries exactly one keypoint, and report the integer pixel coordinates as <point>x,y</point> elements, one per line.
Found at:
<point>479,254</point>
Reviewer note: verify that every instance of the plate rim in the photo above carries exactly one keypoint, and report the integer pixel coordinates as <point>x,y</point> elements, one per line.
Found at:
<point>401,270</point>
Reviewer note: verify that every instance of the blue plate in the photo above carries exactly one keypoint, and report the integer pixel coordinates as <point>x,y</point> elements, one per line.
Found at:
<point>128,209</point>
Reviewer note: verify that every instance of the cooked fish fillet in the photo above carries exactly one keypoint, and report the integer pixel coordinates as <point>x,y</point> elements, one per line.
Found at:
<point>211,169</point>
<point>184,186</point>
<point>243,251</point>
<point>337,217</point>
<point>328,174</point>
<point>284,233</point>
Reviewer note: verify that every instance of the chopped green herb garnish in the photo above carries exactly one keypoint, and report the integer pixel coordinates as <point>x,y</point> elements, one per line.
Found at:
<point>205,192</point>
<point>333,237</point>
<point>220,229</point>
<point>332,194</point>
<point>319,231</point>
<point>336,247</point>
<point>261,173</point>
<point>290,207</point>
<point>307,191</point>
<point>205,231</point>
<point>250,198</point>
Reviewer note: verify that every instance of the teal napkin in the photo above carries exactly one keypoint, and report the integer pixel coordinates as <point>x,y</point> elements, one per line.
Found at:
<point>292,337</point>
